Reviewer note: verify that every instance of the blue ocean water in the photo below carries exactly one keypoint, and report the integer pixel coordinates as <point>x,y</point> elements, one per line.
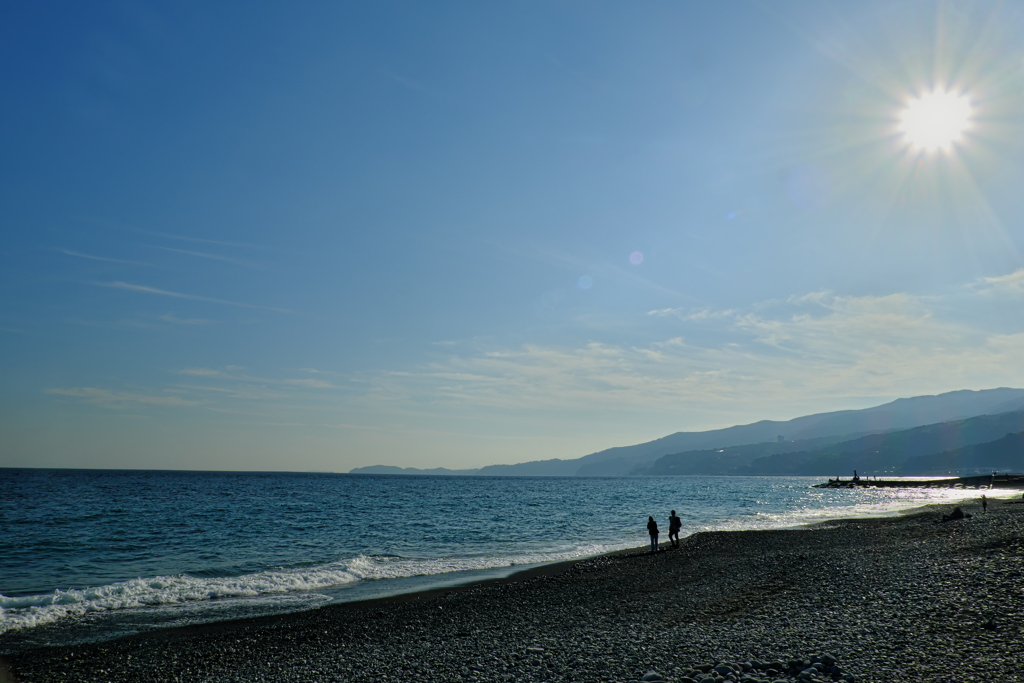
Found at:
<point>88,554</point>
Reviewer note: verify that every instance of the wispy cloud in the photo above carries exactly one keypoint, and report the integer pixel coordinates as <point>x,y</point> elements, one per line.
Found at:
<point>1012,283</point>
<point>309,383</point>
<point>121,398</point>
<point>229,390</point>
<point>206,372</point>
<point>242,392</point>
<point>407,82</point>
<point>810,351</point>
<point>142,323</point>
<point>698,368</point>
<point>692,314</point>
<point>199,240</point>
<point>105,259</point>
<point>122,324</point>
<point>143,289</point>
<point>216,257</point>
<point>172,319</point>
<point>235,374</point>
<point>822,321</point>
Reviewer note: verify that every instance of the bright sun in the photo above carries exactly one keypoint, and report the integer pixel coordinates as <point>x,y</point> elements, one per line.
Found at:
<point>935,121</point>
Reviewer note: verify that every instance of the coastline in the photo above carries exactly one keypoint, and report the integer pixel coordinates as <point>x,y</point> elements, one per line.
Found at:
<point>889,597</point>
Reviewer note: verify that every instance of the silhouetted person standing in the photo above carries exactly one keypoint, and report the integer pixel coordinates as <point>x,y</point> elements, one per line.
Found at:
<point>674,525</point>
<point>984,503</point>
<point>652,529</point>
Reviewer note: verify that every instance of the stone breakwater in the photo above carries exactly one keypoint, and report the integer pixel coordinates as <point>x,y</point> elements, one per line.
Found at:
<point>893,599</point>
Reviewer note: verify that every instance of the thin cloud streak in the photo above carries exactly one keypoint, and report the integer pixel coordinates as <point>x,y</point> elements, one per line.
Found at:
<point>199,240</point>
<point>408,82</point>
<point>215,257</point>
<point>104,259</point>
<point>172,319</point>
<point>248,386</point>
<point>309,383</point>
<point>192,297</point>
<point>120,398</point>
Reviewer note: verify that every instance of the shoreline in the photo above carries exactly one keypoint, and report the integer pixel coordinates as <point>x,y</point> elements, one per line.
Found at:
<point>64,606</point>
<point>513,575</point>
<point>241,623</point>
<point>834,586</point>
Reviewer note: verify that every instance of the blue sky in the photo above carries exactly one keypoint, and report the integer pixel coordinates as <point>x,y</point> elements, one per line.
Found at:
<point>319,235</point>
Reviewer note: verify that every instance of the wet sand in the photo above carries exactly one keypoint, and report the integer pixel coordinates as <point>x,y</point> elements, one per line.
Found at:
<point>892,599</point>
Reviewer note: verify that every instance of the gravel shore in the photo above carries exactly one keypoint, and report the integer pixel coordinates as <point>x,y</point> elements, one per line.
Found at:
<point>888,599</point>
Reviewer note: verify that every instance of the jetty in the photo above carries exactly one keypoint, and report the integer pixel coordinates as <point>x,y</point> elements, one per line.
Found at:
<point>984,481</point>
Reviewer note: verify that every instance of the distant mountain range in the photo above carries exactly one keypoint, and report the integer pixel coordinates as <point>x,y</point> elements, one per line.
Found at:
<point>960,431</point>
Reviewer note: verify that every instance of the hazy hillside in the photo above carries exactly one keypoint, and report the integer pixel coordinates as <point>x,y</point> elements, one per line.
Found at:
<point>1005,454</point>
<point>719,447</point>
<point>889,452</point>
<point>390,469</point>
<point>537,468</point>
<point>899,414</point>
<point>729,460</point>
<point>904,413</point>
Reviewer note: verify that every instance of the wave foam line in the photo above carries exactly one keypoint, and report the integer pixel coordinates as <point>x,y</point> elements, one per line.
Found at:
<point>374,568</point>
<point>36,610</point>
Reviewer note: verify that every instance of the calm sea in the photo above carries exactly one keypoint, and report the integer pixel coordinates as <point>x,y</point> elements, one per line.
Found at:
<point>91,554</point>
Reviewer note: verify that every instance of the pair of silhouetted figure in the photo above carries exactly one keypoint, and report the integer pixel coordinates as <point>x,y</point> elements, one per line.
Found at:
<point>674,525</point>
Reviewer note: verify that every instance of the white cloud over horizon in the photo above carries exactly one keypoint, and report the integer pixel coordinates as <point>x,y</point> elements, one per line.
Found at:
<point>811,347</point>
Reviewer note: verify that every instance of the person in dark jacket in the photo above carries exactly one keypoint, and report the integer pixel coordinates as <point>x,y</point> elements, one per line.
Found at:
<point>674,525</point>
<point>652,529</point>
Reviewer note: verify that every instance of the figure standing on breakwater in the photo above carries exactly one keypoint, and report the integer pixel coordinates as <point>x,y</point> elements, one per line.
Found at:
<point>855,477</point>
<point>984,503</point>
<point>652,529</point>
<point>674,525</point>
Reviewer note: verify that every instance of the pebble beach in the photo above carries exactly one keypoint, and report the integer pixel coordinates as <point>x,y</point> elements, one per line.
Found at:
<point>907,598</point>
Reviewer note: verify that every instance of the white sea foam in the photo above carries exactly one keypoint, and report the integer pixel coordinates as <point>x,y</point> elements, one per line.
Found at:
<point>373,568</point>
<point>35,610</point>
